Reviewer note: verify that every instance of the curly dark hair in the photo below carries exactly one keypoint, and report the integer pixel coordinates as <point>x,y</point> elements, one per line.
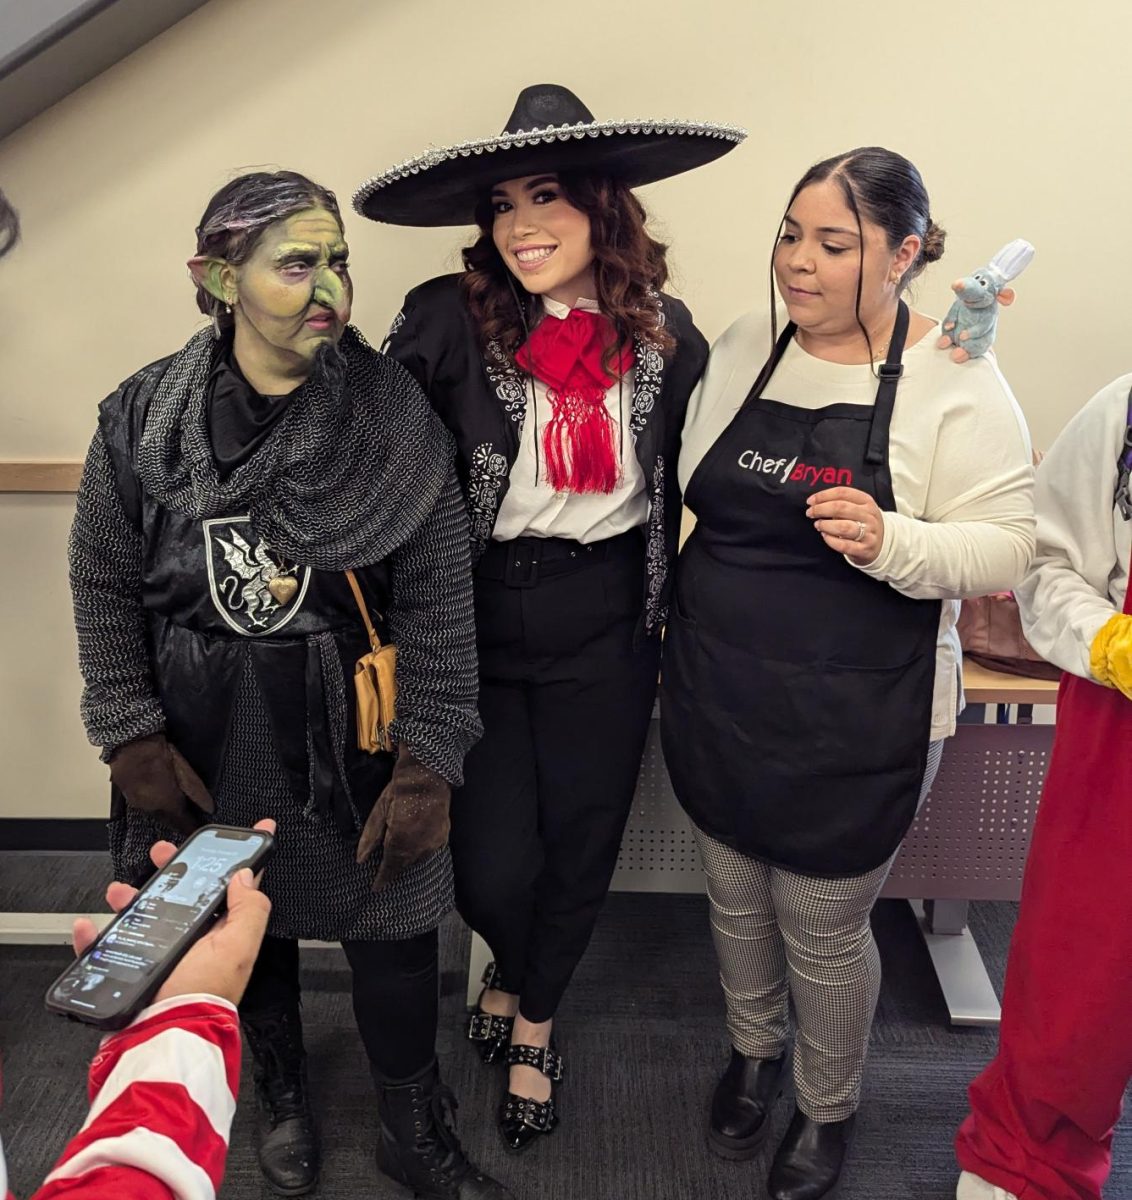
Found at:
<point>630,267</point>
<point>237,215</point>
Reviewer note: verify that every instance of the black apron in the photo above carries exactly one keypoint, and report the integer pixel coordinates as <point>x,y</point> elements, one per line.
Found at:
<point>796,694</point>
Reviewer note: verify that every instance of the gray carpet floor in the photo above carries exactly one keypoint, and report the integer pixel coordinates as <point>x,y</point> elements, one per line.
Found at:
<point>641,1030</point>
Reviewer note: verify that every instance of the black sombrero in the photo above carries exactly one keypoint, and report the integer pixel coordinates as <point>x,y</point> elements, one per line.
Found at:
<point>550,129</point>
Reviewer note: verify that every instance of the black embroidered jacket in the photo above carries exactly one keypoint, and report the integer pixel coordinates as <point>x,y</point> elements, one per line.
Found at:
<point>482,399</point>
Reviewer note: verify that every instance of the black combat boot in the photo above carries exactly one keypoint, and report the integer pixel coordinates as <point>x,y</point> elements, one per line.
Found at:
<point>288,1148</point>
<point>417,1144</point>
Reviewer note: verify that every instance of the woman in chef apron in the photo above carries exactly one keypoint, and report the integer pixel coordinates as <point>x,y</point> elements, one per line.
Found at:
<point>1043,1112</point>
<point>848,490</point>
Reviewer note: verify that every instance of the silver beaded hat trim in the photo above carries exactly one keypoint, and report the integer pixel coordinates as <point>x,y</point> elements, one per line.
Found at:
<point>534,137</point>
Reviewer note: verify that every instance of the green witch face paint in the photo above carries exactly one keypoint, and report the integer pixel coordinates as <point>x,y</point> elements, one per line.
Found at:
<point>293,293</point>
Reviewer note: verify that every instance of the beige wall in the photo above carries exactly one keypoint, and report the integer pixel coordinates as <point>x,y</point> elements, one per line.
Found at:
<point>1015,111</point>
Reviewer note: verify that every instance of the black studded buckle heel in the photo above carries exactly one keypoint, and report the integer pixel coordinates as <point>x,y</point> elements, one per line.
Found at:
<point>521,1119</point>
<point>491,1031</point>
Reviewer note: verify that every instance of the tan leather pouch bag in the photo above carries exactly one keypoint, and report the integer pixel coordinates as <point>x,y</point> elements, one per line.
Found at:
<point>375,684</point>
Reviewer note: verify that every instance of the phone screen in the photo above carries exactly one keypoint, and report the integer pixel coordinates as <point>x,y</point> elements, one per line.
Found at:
<point>114,975</point>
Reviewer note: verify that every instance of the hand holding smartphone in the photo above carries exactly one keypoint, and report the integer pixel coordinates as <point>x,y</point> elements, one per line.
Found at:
<point>166,939</point>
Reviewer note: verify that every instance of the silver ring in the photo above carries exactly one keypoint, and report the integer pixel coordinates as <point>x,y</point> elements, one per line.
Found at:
<point>860,531</point>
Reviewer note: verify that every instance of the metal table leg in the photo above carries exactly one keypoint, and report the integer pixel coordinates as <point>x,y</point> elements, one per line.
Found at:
<point>967,988</point>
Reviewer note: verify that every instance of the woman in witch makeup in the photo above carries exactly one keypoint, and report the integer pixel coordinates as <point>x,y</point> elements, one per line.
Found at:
<point>227,494</point>
<point>564,373</point>
<point>848,490</point>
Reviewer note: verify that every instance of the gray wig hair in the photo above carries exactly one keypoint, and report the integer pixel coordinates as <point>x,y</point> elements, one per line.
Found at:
<point>235,218</point>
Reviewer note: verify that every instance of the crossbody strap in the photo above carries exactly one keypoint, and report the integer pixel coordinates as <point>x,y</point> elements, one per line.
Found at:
<point>374,640</point>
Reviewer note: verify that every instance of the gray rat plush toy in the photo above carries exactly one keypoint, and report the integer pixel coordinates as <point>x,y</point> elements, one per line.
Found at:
<point>971,321</point>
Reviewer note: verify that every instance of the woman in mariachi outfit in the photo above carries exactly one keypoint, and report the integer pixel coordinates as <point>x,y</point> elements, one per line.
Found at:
<point>226,491</point>
<point>1043,1112</point>
<point>847,491</point>
<point>564,373</point>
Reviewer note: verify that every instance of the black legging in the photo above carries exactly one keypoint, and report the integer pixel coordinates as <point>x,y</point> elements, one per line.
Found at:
<point>396,995</point>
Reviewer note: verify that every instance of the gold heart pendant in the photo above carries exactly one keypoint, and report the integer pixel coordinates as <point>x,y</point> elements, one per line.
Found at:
<point>283,588</point>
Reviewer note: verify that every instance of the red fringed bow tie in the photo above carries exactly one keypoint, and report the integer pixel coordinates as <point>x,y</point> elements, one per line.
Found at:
<point>578,440</point>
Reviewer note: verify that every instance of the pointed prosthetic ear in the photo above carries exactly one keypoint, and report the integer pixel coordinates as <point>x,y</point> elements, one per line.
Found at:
<point>215,276</point>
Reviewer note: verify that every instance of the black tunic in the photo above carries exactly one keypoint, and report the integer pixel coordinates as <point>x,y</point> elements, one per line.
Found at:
<point>178,632</point>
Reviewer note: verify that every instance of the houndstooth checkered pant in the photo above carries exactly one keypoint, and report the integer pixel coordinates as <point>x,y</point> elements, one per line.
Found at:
<point>781,935</point>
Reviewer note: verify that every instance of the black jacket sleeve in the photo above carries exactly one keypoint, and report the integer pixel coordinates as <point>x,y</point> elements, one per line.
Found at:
<point>428,334</point>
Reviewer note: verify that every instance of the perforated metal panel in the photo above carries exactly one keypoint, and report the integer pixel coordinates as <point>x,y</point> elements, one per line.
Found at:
<point>658,851</point>
<point>971,838</point>
<point>969,841</point>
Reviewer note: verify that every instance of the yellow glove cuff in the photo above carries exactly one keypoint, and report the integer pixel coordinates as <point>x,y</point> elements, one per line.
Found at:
<point>1110,656</point>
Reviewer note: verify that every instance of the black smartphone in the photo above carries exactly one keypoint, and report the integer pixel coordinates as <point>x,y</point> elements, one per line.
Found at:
<point>115,978</point>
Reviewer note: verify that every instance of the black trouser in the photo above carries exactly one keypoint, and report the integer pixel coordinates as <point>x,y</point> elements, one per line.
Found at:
<point>396,993</point>
<point>566,702</point>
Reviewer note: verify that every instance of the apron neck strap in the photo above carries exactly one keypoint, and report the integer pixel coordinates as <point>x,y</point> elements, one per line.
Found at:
<point>769,367</point>
<point>890,372</point>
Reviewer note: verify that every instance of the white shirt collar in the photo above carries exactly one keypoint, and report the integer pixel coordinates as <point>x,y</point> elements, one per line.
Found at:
<point>562,311</point>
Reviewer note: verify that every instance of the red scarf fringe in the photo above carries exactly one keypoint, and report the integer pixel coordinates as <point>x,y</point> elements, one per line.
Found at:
<point>580,439</point>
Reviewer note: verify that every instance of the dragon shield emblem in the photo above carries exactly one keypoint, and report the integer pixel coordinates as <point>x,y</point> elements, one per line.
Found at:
<point>240,567</point>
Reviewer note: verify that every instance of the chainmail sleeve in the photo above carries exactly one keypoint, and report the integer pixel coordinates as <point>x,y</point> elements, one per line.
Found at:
<point>432,625</point>
<point>119,702</point>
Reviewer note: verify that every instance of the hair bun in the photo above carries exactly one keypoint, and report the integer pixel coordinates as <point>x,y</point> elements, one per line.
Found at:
<point>934,240</point>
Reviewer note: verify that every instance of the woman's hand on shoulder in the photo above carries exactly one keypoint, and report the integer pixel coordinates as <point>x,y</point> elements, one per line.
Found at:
<point>849,521</point>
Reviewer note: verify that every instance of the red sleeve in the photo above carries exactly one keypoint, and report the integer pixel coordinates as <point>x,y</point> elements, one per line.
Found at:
<point>163,1094</point>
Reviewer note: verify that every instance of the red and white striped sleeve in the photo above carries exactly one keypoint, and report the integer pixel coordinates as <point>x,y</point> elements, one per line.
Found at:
<point>163,1094</point>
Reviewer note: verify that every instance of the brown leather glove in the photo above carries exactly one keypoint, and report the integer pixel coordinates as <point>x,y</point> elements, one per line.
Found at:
<point>410,818</point>
<point>154,777</point>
